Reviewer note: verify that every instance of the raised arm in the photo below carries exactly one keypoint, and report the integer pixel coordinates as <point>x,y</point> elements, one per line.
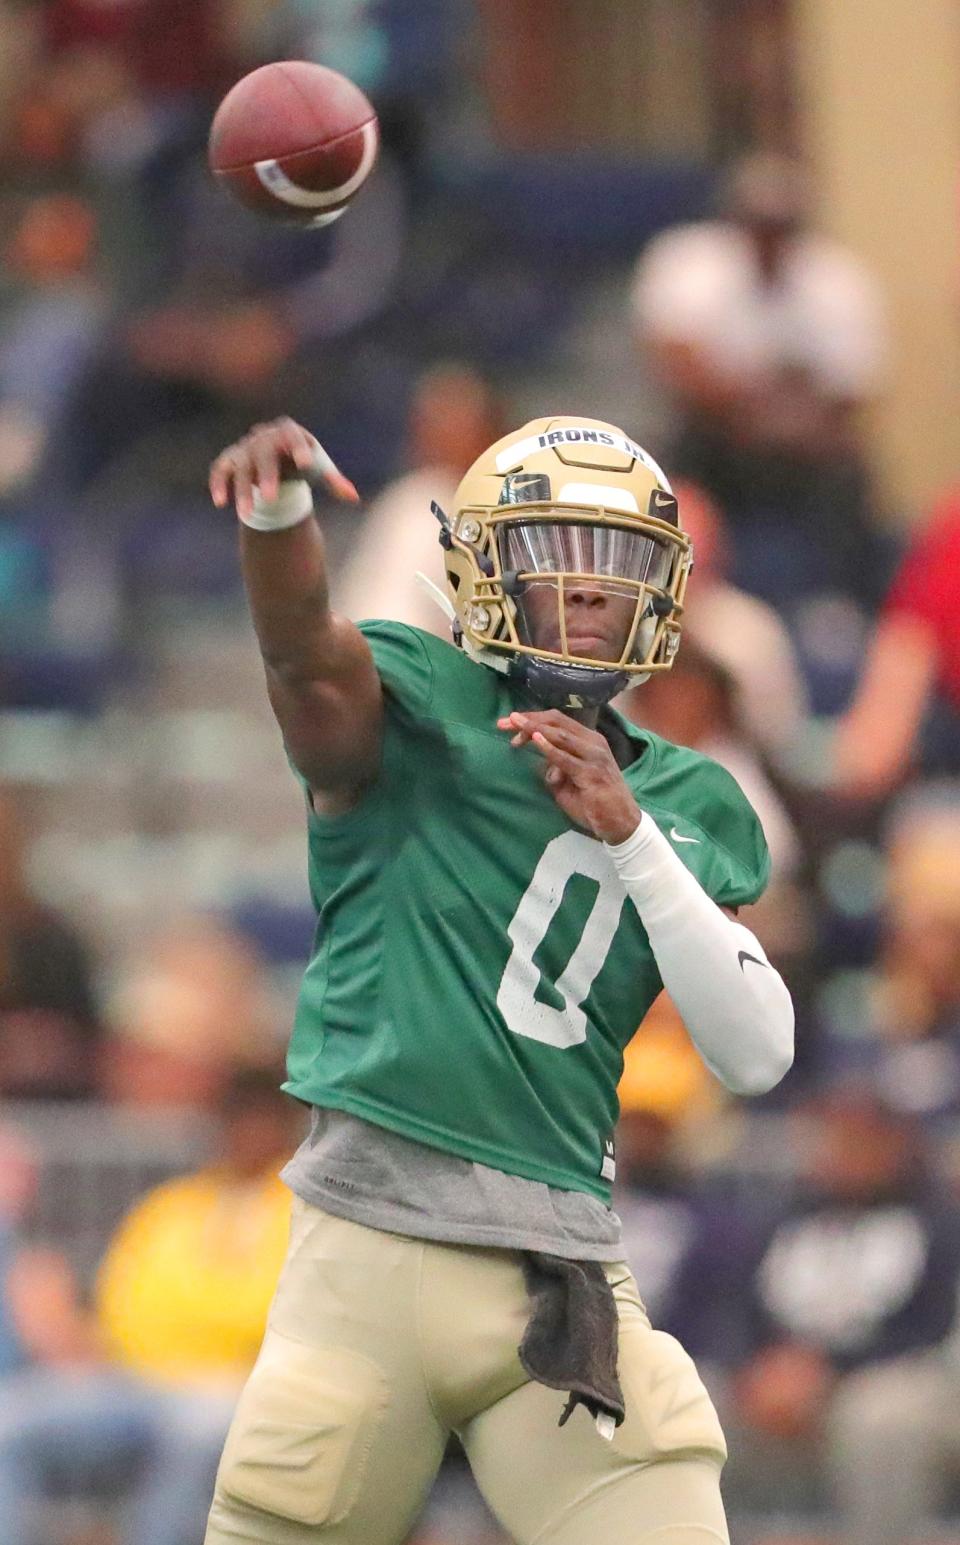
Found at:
<point>321,678</point>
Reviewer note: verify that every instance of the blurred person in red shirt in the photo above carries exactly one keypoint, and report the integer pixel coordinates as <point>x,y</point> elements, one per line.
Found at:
<point>914,653</point>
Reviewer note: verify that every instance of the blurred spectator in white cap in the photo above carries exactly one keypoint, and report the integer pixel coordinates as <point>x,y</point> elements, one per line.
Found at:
<point>915,652</point>
<point>742,632</point>
<point>758,324</point>
<point>770,339</point>
<point>453,418</point>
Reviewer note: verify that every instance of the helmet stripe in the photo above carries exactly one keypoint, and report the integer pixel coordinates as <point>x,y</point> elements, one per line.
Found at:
<point>598,493</point>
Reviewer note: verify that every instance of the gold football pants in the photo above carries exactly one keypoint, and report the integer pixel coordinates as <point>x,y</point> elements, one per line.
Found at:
<point>379,1346</point>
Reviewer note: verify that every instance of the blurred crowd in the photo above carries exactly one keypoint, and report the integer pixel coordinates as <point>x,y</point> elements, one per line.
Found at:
<point>153,909</point>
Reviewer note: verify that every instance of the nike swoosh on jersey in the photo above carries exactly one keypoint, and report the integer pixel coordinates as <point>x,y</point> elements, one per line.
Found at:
<point>742,956</point>
<point>677,837</point>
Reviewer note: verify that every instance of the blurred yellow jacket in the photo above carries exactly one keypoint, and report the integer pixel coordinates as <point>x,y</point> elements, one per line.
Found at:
<point>184,1289</point>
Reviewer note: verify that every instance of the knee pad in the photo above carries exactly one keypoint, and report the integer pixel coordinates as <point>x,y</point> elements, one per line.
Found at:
<point>302,1433</point>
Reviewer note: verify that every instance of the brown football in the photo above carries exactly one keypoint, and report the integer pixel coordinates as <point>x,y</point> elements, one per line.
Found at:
<point>294,141</point>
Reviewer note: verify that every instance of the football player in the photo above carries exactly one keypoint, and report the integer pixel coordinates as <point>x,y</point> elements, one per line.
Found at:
<point>506,873</point>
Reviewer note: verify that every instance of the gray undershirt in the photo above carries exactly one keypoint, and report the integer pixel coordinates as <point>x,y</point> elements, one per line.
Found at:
<point>369,1175</point>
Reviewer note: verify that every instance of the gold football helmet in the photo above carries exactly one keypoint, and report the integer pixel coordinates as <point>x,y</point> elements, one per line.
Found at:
<point>565,563</point>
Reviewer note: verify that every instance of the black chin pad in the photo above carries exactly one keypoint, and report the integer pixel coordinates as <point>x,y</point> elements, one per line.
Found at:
<point>567,686</point>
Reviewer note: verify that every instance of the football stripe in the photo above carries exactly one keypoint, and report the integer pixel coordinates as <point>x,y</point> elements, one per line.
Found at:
<point>276,181</point>
<point>326,219</point>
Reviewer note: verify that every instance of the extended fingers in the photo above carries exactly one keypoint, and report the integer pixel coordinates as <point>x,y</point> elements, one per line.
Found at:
<point>525,723</point>
<point>547,719</point>
<point>556,726</point>
<point>521,732</point>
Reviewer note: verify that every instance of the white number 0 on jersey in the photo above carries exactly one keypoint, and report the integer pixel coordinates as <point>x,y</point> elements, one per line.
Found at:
<point>572,853</point>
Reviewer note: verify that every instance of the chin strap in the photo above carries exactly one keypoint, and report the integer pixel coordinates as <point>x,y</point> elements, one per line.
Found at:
<point>500,663</point>
<point>436,594</point>
<point>487,657</point>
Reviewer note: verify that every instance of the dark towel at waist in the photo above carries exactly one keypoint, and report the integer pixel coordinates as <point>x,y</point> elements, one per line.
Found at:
<point>571,1337</point>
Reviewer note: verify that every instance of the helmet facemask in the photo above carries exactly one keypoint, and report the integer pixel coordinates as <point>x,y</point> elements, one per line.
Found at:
<point>583,592</point>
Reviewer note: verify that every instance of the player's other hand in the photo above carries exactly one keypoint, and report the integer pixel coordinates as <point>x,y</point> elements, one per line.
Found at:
<point>582,775</point>
<point>269,455</point>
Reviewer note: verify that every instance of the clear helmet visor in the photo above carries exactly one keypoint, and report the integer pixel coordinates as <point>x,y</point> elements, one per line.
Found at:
<point>594,578</point>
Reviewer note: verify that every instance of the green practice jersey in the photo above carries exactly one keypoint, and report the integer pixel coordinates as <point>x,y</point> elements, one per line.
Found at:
<point>478,968</point>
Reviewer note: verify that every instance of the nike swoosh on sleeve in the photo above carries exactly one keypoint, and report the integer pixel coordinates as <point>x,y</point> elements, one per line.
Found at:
<point>742,956</point>
<point>676,837</point>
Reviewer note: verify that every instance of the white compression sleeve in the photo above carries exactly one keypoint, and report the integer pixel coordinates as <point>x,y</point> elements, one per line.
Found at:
<point>736,1007</point>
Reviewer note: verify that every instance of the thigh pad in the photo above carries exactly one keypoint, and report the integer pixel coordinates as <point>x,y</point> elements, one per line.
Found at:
<point>303,1430</point>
